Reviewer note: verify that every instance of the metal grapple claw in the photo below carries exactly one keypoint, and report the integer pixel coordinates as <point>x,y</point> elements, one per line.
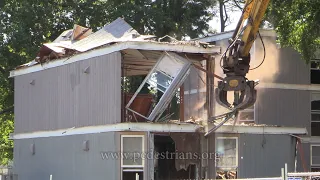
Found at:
<point>244,92</point>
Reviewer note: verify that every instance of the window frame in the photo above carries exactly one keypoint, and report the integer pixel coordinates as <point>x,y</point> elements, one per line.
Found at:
<point>313,69</point>
<point>313,112</point>
<point>168,94</point>
<point>311,164</point>
<point>237,153</point>
<point>132,167</point>
<point>247,110</point>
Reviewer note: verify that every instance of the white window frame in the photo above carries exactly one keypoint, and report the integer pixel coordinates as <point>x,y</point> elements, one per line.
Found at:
<point>237,152</point>
<point>247,110</point>
<point>168,94</point>
<point>313,112</point>
<point>313,145</point>
<point>132,167</point>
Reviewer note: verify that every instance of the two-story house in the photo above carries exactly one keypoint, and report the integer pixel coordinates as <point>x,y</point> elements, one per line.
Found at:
<point>76,119</point>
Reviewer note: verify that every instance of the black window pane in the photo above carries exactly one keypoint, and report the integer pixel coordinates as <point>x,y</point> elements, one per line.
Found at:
<point>315,128</point>
<point>316,169</point>
<point>132,175</point>
<point>315,64</point>
<point>315,76</point>
<point>315,105</point>
<point>315,117</point>
<point>316,151</point>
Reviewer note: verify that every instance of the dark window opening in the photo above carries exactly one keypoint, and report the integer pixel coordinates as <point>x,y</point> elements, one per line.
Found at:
<point>315,105</point>
<point>132,175</point>
<point>315,71</point>
<point>315,128</point>
<point>315,169</point>
<point>315,116</point>
<point>165,162</point>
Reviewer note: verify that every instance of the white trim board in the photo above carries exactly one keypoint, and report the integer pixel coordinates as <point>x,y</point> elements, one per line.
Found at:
<point>308,87</point>
<point>157,127</point>
<point>228,34</point>
<point>240,129</point>
<point>266,85</point>
<point>312,139</point>
<point>142,45</point>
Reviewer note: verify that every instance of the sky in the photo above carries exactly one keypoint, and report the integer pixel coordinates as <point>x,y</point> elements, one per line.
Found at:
<point>234,18</point>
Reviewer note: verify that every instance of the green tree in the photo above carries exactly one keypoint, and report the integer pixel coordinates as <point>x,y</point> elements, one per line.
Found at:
<point>177,18</point>
<point>298,24</point>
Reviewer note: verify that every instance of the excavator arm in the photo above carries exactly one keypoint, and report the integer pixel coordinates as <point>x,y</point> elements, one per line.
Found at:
<point>236,59</point>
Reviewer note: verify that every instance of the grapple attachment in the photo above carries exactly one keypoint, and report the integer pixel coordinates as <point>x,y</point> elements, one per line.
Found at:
<point>244,92</point>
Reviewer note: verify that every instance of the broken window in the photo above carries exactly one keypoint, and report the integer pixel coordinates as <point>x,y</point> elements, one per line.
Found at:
<point>315,71</point>
<point>246,115</point>
<point>315,114</point>
<point>166,77</point>
<point>132,163</point>
<point>227,157</point>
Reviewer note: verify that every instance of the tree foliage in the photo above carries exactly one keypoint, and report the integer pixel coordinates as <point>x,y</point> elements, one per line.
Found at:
<point>225,8</point>
<point>298,24</point>
<point>26,24</point>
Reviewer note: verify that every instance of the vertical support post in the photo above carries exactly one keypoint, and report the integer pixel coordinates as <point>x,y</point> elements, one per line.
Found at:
<point>204,162</point>
<point>209,87</point>
<point>182,103</point>
<point>285,171</point>
<point>211,139</point>
<point>50,176</point>
<point>123,96</point>
<point>296,155</point>
<point>282,174</point>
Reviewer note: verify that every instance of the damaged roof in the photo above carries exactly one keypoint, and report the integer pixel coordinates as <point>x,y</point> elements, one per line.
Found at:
<point>116,36</point>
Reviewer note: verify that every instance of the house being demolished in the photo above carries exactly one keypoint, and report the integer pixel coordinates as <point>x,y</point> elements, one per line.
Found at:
<point>76,116</point>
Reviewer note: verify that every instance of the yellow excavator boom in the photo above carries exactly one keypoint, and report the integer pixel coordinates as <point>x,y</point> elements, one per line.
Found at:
<point>236,59</point>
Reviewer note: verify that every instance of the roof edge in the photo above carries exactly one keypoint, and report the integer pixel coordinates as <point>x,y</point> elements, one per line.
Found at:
<point>142,45</point>
<point>228,34</point>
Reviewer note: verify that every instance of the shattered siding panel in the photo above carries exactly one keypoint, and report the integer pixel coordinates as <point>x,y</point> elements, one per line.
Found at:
<point>116,31</point>
<point>66,97</point>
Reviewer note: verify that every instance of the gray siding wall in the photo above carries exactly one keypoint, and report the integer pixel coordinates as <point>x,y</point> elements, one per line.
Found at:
<point>265,155</point>
<point>283,107</point>
<point>66,97</point>
<point>64,158</point>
